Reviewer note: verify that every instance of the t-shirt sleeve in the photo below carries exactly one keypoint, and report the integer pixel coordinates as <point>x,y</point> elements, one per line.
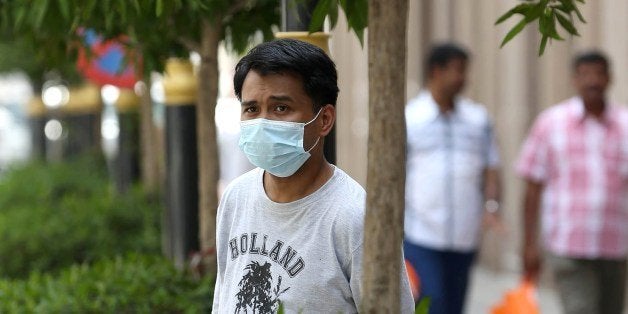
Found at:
<point>356,273</point>
<point>220,260</point>
<point>216,305</point>
<point>532,163</point>
<point>225,209</point>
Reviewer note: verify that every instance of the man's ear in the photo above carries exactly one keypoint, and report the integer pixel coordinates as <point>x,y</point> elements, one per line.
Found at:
<point>328,117</point>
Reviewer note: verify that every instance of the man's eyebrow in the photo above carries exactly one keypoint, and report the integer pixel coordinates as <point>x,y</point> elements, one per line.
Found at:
<point>285,98</point>
<point>280,98</point>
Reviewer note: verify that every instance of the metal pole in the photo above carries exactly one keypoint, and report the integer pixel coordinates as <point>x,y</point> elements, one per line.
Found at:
<point>37,122</point>
<point>81,117</point>
<point>181,218</point>
<point>126,163</point>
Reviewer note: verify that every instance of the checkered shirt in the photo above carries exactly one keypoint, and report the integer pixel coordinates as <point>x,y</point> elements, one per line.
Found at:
<point>582,161</point>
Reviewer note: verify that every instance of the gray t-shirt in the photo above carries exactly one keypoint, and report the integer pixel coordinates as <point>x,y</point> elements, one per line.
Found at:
<point>306,254</point>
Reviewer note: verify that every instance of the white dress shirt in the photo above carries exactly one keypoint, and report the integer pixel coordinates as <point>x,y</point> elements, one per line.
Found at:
<point>447,155</point>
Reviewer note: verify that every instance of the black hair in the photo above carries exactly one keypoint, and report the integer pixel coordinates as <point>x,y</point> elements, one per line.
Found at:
<point>440,55</point>
<point>592,56</point>
<point>311,63</point>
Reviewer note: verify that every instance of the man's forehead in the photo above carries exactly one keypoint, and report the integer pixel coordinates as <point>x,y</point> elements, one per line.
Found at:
<point>597,65</point>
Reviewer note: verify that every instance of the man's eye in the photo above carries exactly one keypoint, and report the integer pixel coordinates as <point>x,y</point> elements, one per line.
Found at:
<point>281,108</point>
<point>250,109</point>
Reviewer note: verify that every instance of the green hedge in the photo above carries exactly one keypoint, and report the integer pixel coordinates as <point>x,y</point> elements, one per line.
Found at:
<point>55,215</point>
<point>133,284</point>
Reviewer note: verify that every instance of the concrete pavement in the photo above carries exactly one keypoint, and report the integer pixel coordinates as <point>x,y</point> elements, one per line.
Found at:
<point>487,288</point>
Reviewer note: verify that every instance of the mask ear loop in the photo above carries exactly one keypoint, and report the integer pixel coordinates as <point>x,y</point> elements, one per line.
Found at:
<point>309,150</point>
<point>318,139</point>
<point>315,117</point>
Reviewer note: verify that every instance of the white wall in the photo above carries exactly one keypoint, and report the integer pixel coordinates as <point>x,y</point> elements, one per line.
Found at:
<point>513,82</point>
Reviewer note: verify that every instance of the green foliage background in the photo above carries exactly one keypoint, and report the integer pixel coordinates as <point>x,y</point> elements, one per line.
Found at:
<point>131,284</point>
<point>52,216</point>
<point>72,245</point>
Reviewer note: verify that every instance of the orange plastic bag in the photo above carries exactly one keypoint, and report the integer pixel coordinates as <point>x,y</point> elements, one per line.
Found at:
<point>521,300</point>
<point>415,281</point>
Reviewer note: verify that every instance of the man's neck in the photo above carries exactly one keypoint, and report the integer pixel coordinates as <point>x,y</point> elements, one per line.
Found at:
<point>309,178</point>
<point>444,101</point>
<point>594,107</point>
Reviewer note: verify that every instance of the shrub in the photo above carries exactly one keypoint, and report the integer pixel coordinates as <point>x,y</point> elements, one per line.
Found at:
<point>52,216</point>
<point>133,284</point>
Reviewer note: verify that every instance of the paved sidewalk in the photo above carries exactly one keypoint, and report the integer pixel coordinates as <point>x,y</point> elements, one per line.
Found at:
<point>488,287</point>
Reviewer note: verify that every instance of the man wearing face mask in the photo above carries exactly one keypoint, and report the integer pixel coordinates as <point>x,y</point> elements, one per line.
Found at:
<point>575,163</point>
<point>452,180</point>
<point>290,232</point>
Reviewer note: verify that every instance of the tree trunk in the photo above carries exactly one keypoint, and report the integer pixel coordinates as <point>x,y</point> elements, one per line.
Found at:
<point>207,139</point>
<point>149,149</point>
<point>383,227</point>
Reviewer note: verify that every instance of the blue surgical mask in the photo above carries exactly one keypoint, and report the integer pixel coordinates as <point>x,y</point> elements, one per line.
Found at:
<point>275,146</point>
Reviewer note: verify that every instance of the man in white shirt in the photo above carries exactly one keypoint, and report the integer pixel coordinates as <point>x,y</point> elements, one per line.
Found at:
<point>452,180</point>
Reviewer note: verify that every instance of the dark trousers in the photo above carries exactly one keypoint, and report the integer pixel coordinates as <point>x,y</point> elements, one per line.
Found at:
<point>443,276</point>
<point>590,286</point>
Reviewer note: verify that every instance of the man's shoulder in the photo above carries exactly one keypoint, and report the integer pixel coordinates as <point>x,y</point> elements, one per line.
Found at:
<point>243,182</point>
<point>347,204</point>
<point>347,187</point>
<point>473,113</point>
<point>421,108</point>
<point>348,184</point>
<point>349,196</point>
<point>560,110</point>
<point>472,109</point>
<point>620,109</point>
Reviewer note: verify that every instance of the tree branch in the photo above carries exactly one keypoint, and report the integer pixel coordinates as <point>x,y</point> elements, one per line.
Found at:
<point>189,43</point>
<point>234,8</point>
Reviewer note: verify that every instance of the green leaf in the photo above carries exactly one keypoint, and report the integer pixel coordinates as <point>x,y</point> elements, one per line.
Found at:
<point>318,16</point>
<point>514,31</point>
<point>137,7</point>
<point>566,24</point>
<point>159,8</point>
<point>580,17</point>
<point>333,14</point>
<point>552,27</point>
<point>64,7</point>
<point>544,22</point>
<point>547,24</point>
<point>359,13</point>
<point>40,13</point>
<point>519,9</point>
<point>569,6</point>
<point>356,12</point>
<point>122,8</point>
<point>423,307</point>
<point>535,12</point>
<point>360,34</point>
<point>543,44</point>
<point>19,17</point>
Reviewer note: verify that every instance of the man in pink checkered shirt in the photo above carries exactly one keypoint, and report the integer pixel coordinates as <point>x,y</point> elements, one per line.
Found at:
<point>575,162</point>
